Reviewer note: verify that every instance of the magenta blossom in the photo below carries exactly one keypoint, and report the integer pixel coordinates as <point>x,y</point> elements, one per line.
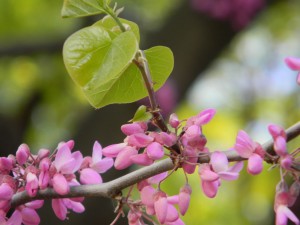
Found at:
<point>66,164</point>
<point>250,150</point>
<point>294,64</point>
<point>95,165</point>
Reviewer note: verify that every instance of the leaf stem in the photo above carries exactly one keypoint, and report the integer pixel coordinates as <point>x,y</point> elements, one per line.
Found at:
<point>142,63</point>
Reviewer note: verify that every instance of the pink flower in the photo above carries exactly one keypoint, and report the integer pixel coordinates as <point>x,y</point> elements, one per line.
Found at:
<point>133,128</point>
<point>294,64</point>
<point>210,174</point>
<point>113,150</point>
<point>99,164</point>
<point>139,140</point>
<point>250,150</point>
<point>283,213</point>
<point>184,199</point>
<point>61,206</point>
<point>32,184</point>
<point>30,216</point>
<point>155,151</point>
<point>22,154</point>
<point>123,159</point>
<point>6,192</point>
<point>161,206</point>
<point>66,163</point>
<point>174,121</point>
<point>202,118</point>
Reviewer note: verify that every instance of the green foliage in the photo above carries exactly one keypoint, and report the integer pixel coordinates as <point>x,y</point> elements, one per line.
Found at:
<point>100,59</point>
<point>79,8</point>
<point>141,114</point>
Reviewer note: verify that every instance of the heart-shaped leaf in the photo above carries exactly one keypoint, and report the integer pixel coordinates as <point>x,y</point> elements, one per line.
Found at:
<point>129,86</point>
<point>99,59</point>
<point>79,8</point>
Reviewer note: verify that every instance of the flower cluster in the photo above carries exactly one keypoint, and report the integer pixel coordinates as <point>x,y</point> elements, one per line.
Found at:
<point>184,143</point>
<point>30,172</point>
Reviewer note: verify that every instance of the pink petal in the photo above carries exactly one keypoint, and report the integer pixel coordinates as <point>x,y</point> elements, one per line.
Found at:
<point>219,161</point>
<point>77,156</point>
<point>228,175</point>
<point>184,199</point>
<point>207,174</point>
<point>22,154</point>
<point>6,192</point>
<point>32,184</point>
<point>30,216</point>
<point>244,145</point>
<point>172,214</point>
<point>210,188</point>
<point>276,131</point>
<point>147,196</point>
<point>36,204</point>
<point>157,178</point>
<point>164,138</point>
<point>73,205</point>
<point>63,155</point>
<point>174,199</point>
<point>161,207</point>
<point>113,150</point>
<point>5,164</point>
<point>97,152</point>
<point>293,63</point>
<point>59,209</point>
<point>141,159</point>
<point>192,159</point>
<point>282,213</point>
<point>123,159</point>
<point>132,128</point>
<point>205,116</point>
<point>174,121</point>
<point>103,165</point>
<point>90,176</point>
<point>286,162</point>
<point>155,151</point>
<point>237,167</point>
<point>177,222</point>
<point>139,140</point>
<point>44,179</point>
<point>15,219</point>
<point>280,146</point>
<point>60,184</point>
<point>255,164</point>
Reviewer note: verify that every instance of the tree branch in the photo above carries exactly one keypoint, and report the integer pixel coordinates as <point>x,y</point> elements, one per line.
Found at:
<point>113,188</point>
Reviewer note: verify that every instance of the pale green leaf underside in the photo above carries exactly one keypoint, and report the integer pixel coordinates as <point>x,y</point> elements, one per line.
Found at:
<point>79,8</point>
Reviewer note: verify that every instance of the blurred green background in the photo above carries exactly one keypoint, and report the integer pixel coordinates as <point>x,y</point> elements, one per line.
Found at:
<point>239,72</point>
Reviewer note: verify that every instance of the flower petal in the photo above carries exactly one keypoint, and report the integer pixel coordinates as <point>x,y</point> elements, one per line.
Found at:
<point>219,161</point>
<point>90,176</point>
<point>255,164</point>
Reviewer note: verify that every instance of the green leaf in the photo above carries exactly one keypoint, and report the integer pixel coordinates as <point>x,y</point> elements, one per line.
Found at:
<point>100,60</point>
<point>141,114</point>
<point>95,61</point>
<point>130,87</point>
<point>113,29</point>
<point>79,8</point>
